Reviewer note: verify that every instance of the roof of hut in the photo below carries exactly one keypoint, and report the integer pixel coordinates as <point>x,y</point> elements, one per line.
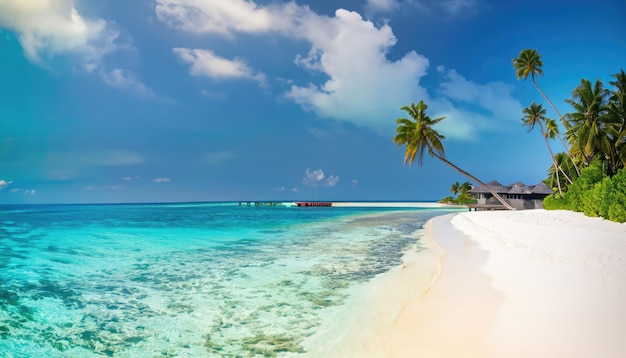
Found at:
<point>515,188</point>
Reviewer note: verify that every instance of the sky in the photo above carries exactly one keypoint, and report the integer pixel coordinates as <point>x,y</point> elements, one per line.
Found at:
<point>213,100</point>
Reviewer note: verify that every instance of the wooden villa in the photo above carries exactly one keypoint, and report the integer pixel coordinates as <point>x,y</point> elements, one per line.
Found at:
<point>519,195</point>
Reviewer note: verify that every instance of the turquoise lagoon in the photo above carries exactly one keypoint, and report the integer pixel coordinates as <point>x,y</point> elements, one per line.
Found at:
<point>186,280</point>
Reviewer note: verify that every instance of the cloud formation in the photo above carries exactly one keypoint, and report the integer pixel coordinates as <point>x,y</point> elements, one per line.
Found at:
<point>206,63</point>
<point>4,184</point>
<point>127,81</point>
<point>162,180</point>
<point>381,5</point>
<point>318,178</point>
<point>48,28</point>
<point>362,84</point>
<point>227,17</point>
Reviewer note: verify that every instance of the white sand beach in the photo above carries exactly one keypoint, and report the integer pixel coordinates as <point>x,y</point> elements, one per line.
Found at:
<point>562,277</point>
<point>530,283</point>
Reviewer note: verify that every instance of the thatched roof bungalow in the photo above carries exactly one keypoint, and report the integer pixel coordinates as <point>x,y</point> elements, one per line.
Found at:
<point>518,195</point>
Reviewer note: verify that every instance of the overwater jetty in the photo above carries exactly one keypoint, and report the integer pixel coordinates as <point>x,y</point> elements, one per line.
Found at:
<point>313,203</point>
<point>278,203</point>
<point>260,203</point>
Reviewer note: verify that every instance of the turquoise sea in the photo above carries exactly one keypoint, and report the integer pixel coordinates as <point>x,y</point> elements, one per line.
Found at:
<point>186,280</point>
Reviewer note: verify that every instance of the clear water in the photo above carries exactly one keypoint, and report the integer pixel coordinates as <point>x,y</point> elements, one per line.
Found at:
<point>185,280</point>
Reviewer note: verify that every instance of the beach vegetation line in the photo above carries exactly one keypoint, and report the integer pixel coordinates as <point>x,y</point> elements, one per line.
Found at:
<point>589,175</point>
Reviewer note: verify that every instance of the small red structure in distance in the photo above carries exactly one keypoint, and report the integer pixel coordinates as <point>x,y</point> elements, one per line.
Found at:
<point>313,203</point>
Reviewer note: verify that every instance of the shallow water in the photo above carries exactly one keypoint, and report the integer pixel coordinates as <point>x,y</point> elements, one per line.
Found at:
<point>185,280</point>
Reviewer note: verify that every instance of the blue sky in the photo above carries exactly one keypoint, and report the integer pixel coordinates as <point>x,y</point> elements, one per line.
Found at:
<point>211,100</point>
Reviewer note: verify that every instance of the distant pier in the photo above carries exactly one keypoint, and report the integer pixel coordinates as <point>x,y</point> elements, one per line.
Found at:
<point>278,203</point>
<point>260,203</point>
<point>313,203</point>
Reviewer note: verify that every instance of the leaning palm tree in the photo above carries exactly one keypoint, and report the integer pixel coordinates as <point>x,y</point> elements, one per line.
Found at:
<point>536,115</point>
<point>419,136</point>
<point>528,63</point>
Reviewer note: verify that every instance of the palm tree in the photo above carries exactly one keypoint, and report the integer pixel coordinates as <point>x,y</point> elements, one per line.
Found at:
<point>419,136</point>
<point>464,194</point>
<point>455,188</point>
<point>617,118</point>
<point>536,115</point>
<point>588,131</point>
<point>528,63</point>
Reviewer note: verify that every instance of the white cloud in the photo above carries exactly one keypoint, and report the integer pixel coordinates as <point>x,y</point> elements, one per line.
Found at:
<point>381,5</point>
<point>355,183</point>
<point>214,95</point>
<point>280,189</point>
<point>129,177</point>
<point>206,63</point>
<point>89,187</point>
<point>495,97</point>
<point>15,190</point>
<point>364,86</point>
<point>220,157</point>
<point>127,81</point>
<point>30,192</point>
<point>223,17</point>
<point>48,28</point>
<point>460,7</point>
<point>318,178</point>
<point>4,183</point>
<point>471,107</point>
<point>162,180</point>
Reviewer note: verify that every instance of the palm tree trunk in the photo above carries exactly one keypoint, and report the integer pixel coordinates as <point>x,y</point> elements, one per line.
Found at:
<point>558,181</point>
<point>556,165</point>
<point>560,119</point>
<point>567,151</point>
<point>496,195</point>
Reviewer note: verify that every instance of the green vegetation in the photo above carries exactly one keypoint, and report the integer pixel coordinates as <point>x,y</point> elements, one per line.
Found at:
<point>463,196</point>
<point>595,194</point>
<point>589,175</point>
<point>418,135</point>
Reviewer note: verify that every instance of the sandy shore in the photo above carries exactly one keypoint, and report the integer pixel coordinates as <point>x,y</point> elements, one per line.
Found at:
<point>562,277</point>
<point>495,284</point>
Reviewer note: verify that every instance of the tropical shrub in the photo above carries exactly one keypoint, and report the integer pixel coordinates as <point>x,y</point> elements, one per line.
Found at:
<point>595,195</point>
<point>616,199</point>
<point>553,203</point>
<point>580,192</point>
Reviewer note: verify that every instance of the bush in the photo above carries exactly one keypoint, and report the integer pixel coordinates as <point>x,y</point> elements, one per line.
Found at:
<point>591,200</point>
<point>552,203</point>
<point>617,213</point>
<point>616,199</point>
<point>579,192</point>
